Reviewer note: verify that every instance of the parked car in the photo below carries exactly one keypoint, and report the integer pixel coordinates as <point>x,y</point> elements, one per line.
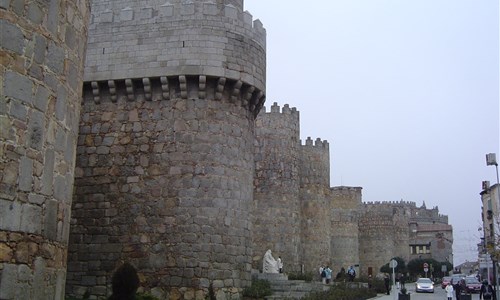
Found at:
<point>424,285</point>
<point>455,278</point>
<point>472,285</point>
<point>445,281</point>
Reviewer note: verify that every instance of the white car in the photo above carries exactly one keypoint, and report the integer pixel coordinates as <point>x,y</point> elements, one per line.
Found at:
<point>424,285</point>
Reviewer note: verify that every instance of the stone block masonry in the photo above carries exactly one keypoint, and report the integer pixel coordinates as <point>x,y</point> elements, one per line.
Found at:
<point>178,171</point>
<point>165,165</point>
<point>41,70</point>
<point>276,209</point>
<point>136,39</point>
<point>166,185</point>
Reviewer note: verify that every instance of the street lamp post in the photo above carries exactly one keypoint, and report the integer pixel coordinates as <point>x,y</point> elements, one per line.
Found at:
<point>491,160</point>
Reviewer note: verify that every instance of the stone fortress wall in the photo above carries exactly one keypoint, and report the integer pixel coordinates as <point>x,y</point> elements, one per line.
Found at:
<point>276,210</point>
<point>296,213</point>
<point>385,230</point>
<point>314,187</point>
<point>345,209</point>
<point>165,158</point>
<point>42,50</point>
<point>176,168</point>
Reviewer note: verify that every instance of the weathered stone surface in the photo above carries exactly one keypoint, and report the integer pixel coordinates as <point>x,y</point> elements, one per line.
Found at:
<point>11,217</point>
<point>17,86</point>
<point>11,38</point>
<point>173,171</point>
<point>32,70</point>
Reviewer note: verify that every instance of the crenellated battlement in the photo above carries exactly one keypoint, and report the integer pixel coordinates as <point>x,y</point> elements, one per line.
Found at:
<point>348,189</point>
<point>135,13</point>
<point>175,87</point>
<point>391,203</point>
<point>318,143</point>
<point>275,109</point>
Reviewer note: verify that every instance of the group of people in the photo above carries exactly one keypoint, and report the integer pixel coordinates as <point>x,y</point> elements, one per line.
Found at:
<point>326,274</point>
<point>487,291</point>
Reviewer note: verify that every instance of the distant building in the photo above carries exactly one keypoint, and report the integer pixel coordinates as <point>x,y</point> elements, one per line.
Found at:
<point>468,268</point>
<point>490,217</point>
<point>390,229</point>
<point>431,241</point>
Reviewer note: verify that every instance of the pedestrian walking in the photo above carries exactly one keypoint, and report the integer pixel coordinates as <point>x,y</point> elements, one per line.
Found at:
<point>352,273</point>
<point>487,291</point>
<point>387,284</point>
<point>449,291</point>
<point>280,264</point>
<point>322,273</point>
<point>402,281</point>
<point>328,274</point>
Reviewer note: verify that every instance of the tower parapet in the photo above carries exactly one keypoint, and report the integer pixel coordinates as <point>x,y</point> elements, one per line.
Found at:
<point>315,162</point>
<point>151,38</point>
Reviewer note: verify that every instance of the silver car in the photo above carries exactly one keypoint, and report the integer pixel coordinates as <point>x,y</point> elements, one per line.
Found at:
<point>424,285</point>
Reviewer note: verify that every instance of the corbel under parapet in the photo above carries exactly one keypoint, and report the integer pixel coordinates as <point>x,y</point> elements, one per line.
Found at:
<point>130,89</point>
<point>147,89</point>
<point>202,87</point>
<point>95,92</point>
<point>183,86</point>
<point>236,90</point>
<point>248,95</point>
<point>165,88</point>
<point>112,91</point>
<point>220,88</point>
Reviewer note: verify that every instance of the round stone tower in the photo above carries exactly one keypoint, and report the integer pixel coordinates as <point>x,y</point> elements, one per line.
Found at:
<point>345,204</point>
<point>42,46</point>
<point>276,215</point>
<point>382,226</point>
<point>314,172</point>
<point>165,157</point>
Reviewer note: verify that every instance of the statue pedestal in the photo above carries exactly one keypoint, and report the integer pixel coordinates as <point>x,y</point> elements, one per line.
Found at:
<point>271,276</point>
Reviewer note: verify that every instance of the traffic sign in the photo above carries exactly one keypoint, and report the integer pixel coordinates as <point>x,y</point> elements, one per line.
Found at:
<point>393,263</point>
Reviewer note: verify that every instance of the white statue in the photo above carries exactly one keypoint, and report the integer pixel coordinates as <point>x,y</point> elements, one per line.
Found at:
<point>269,264</point>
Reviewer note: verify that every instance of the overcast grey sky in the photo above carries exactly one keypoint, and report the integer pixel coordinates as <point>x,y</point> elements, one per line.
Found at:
<point>405,91</point>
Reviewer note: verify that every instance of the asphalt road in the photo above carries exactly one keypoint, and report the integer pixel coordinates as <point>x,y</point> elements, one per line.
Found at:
<point>439,294</point>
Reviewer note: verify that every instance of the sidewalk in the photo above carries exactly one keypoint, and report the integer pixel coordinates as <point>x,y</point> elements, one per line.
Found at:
<point>384,297</point>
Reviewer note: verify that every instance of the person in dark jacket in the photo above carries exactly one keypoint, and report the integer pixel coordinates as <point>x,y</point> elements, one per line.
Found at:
<point>487,291</point>
<point>402,280</point>
<point>458,288</point>
<point>387,284</point>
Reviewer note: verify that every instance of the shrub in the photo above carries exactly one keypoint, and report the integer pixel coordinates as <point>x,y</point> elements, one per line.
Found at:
<point>378,285</point>
<point>144,296</point>
<point>259,289</point>
<point>308,277</point>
